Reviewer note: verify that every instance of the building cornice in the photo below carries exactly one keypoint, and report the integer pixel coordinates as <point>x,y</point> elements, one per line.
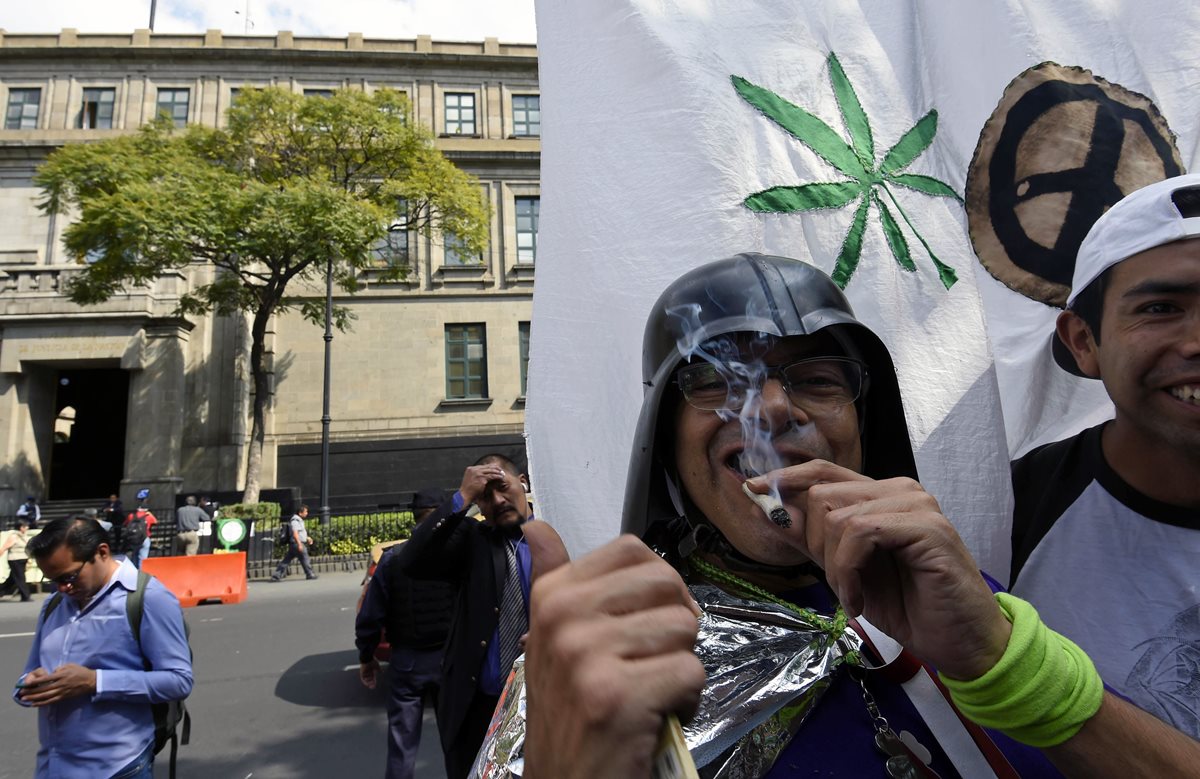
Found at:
<point>283,47</point>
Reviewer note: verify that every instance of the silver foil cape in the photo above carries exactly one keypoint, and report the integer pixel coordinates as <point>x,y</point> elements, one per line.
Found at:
<point>766,666</point>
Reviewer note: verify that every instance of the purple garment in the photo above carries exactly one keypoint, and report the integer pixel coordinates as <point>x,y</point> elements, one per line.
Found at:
<point>838,738</point>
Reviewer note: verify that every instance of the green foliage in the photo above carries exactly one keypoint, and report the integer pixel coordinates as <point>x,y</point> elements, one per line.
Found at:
<point>291,186</point>
<point>856,161</point>
<point>355,533</point>
<point>264,514</point>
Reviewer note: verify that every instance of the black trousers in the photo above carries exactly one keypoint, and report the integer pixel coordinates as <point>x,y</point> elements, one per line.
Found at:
<point>461,755</point>
<point>15,580</point>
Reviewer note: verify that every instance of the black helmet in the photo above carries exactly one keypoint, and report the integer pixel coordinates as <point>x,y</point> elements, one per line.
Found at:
<point>754,293</point>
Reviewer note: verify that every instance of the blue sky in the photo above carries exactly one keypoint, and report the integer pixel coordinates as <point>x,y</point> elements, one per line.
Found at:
<point>509,20</point>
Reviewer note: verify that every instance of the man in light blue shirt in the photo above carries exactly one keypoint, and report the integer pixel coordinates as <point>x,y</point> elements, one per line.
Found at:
<point>92,681</point>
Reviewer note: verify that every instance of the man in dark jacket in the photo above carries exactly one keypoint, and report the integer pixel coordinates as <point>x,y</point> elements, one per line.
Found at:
<point>490,562</point>
<point>415,616</point>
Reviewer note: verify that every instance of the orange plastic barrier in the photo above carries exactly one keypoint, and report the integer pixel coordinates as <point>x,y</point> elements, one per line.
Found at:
<point>201,577</point>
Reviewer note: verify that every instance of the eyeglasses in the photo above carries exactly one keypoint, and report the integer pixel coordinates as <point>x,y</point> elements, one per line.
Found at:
<point>817,384</point>
<point>69,579</point>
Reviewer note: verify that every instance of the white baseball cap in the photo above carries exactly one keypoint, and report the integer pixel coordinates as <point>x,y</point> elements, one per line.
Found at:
<point>1142,220</point>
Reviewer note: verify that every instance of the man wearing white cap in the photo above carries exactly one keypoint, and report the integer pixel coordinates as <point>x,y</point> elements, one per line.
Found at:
<point>1106,531</point>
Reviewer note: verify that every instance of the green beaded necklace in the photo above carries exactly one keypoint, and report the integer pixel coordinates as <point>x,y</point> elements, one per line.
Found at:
<point>833,626</point>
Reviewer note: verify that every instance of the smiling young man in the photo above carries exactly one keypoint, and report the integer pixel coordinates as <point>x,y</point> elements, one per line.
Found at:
<point>755,366</point>
<point>489,562</point>
<point>1106,532</point>
<point>92,681</point>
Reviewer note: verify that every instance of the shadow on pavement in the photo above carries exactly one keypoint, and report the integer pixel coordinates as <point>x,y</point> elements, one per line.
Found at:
<point>324,681</point>
<point>342,744</point>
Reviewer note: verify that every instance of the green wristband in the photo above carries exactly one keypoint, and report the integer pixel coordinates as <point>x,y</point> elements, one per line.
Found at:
<point>1043,689</point>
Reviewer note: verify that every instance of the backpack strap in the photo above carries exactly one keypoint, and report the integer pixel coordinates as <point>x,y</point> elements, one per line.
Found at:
<point>51,605</point>
<point>135,604</point>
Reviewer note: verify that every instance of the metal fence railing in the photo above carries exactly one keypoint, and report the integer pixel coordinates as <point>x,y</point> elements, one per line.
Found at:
<point>345,543</point>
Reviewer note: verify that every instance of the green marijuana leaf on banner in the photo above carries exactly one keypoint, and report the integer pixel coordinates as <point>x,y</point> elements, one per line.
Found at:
<point>856,160</point>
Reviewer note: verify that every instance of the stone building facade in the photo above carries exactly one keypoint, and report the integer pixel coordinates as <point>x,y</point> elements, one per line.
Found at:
<point>124,395</point>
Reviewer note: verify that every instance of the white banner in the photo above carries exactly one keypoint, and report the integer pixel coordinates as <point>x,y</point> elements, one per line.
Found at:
<point>676,132</point>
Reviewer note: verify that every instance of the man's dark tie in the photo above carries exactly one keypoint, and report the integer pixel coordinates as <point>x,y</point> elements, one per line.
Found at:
<point>513,622</point>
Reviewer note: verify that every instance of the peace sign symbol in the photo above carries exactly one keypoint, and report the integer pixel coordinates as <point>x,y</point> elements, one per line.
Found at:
<point>1061,148</point>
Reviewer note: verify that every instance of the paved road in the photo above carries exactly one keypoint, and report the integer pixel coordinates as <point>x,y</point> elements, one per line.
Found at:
<point>276,696</point>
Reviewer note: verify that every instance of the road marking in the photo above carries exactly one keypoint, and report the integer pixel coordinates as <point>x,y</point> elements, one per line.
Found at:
<point>24,635</point>
<point>213,619</point>
<point>355,667</point>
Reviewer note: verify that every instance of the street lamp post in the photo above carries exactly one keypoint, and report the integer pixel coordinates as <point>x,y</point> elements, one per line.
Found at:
<point>325,419</point>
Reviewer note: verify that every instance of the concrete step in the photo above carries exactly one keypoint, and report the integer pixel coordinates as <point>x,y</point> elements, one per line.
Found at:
<point>54,509</point>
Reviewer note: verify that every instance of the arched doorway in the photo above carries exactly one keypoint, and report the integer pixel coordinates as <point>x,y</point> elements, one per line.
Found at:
<point>88,456</point>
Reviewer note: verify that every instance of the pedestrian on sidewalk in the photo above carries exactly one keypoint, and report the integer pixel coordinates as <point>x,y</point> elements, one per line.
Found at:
<point>298,542</point>
<point>135,533</point>
<point>14,545</point>
<point>187,526</point>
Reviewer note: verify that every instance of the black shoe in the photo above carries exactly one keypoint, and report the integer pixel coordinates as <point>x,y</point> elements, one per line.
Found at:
<point>314,576</point>
<point>276,578</point>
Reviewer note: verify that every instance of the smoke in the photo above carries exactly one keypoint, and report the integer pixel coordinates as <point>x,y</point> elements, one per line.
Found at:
<point>739,359</point>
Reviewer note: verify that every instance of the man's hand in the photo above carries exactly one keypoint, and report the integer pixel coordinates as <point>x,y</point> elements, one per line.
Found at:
<point>609,655</point>
<point>890,555</point>
<point>67,681</point>
<point>29,681</point>
<point>475,480</point>
<point>367,673</point>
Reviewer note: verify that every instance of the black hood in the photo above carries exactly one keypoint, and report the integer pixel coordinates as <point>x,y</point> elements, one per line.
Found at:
<point>754,293</point>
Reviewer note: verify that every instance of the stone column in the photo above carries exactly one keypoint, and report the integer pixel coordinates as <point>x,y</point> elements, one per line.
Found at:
<point>154,432</point>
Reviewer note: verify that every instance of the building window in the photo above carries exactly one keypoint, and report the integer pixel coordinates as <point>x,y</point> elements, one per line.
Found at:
<point>457,252</point>
<point>523,346</point>
<point>97,110</point>
<point>392,249</point>
<point>396,110</point>
<point>527,228</point>
<point>527,115</point>
<point>22,113</point>
<point>173,104</point>
<point>460,113</point>
<point>466,362</point>
<point>318,93</point>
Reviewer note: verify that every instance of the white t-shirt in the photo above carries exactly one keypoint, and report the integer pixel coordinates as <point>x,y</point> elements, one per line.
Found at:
<point>298,527</point>
<point>1113,570</point>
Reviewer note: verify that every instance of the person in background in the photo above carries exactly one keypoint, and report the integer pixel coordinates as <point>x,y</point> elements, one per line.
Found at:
<point>298,542</point>
<point>14,545</point>
<point>112,511</point>
<point>30,511</point>
<point>135,531</point>
<point>187,525</point>
<point>414,615</point>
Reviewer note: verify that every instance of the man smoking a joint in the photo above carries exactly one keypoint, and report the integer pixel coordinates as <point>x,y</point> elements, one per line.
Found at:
<point>757,373</point>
